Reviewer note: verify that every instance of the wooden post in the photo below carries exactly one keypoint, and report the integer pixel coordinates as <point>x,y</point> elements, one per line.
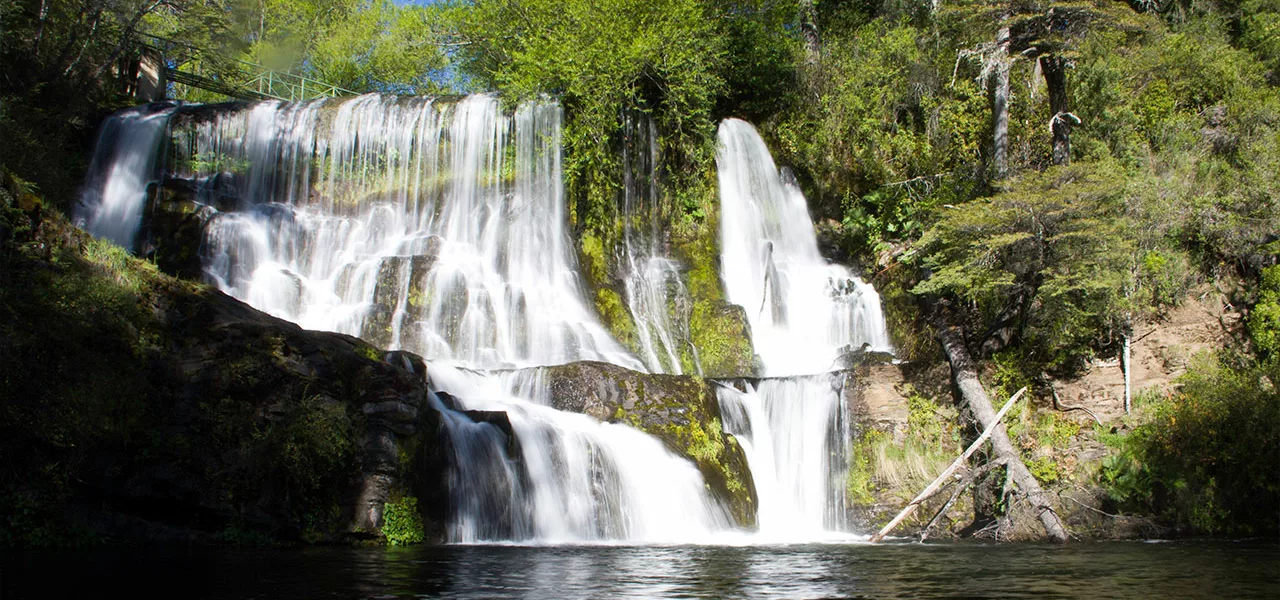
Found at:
<point>937,483</point>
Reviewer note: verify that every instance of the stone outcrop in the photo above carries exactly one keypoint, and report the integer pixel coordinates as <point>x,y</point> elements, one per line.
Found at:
<point>682,411</point>
<point>141,406</point>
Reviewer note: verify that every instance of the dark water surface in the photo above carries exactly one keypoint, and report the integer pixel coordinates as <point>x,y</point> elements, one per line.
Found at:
<point>1191,569</point>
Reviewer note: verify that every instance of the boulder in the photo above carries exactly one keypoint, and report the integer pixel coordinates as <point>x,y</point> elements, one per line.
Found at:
<point>682,411</point>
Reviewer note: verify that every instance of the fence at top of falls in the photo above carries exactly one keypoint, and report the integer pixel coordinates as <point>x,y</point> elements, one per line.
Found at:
<point>164,60</point>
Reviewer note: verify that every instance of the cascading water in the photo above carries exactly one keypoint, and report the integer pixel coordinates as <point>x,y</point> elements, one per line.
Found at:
<point>438,227</point>
<point>655,290</point>
<point>578,479</point>
<point>433,227</point>
<point>123,166</point>
<point>793,431</point>
<point>804,311</point>
<point>804,314</point>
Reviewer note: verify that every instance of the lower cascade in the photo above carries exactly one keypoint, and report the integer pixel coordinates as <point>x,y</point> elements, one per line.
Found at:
<point>575,478</point>
<point>793,431</point>
<point>439,227</point>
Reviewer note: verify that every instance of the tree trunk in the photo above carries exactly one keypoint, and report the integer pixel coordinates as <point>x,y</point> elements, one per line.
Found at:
<point>946,473</point>
<point>1055,79</point>
<point>1000,104</point>
<point>965,375</point>
<point>42,16</point>
<point>1128,369</point>
<point>809,29</point>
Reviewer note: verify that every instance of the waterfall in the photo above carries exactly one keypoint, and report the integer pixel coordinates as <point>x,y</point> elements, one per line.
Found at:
<point>123,166</point>
<point>655,293</point>
<point>793,431</point>
<point>577,479</point>
<point>438,227</point>
<point>429,226</point>
<point>804,312</point>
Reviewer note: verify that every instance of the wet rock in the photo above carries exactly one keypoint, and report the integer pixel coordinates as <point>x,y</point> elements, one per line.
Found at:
<point>205,416</point>
<point>681,411</point>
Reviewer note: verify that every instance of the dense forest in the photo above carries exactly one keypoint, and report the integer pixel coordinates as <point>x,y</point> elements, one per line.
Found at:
<point>1043,175</point>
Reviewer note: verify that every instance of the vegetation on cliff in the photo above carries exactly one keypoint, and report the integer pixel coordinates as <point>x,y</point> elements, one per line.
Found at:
<point>1050,172</point>
<point>138,406</point>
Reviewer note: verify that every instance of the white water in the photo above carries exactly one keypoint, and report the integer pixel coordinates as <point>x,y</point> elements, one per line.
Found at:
<point>804,311</point>
<point>577,479</point>
<point>804,314</point>
<point>439,228</point>
<point>792,431</point>
<point>123,165</point>
<point>655,293</point>
<point>433,227</point>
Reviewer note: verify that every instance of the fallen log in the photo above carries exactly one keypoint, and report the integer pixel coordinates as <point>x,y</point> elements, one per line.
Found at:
<point>965,376</point>
<point>933,487</point>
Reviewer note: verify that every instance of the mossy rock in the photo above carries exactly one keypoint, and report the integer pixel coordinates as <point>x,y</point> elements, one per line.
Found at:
<point>142,406</point>
<point>681,411</point>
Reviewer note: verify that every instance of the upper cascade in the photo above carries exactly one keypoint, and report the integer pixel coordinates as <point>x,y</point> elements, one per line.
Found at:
<point>428,225</point>
<point>124,163</point>
<point>804,311</point>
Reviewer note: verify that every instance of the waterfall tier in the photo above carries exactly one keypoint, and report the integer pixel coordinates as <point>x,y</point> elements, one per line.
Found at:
<point>124,164</point>
<point>430,226</point>
<point>804,311</point>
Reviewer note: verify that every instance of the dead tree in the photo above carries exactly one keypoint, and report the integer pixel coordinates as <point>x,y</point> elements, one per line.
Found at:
<point>965,376</point>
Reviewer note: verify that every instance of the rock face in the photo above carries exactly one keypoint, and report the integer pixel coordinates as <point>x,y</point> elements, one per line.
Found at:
<point>140,406</point>
<point>682,411</point>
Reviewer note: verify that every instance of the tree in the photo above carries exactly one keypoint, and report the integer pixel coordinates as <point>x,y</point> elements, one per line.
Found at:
<point>1049,32</point>
<point>1042,265</point>
<point>809,30</point>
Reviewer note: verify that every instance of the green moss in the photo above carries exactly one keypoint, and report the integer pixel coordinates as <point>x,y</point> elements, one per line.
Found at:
<point>1044,469</point>
<point>719,330</point>
<point>402,523</point>
<point>239,535</point>
<point>616,317</point>
<point>1264,319</point>
<point>706,443</point>
<point>593,260</point>
<point>1046,436</point>
<point>860,481</point>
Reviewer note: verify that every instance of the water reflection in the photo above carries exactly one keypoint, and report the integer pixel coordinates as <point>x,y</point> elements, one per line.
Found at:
<point>1082,570</point>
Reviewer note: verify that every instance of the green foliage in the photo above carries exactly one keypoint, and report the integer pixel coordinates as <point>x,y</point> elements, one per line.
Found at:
<point>402,522</point>
<point>860,480</point>
<point>242,536</point>
<point>369,352</point>
<point>1044,469</point>
<point>1046,437</point>
<point>1260,30</point>
<point>613,312</point>
<point>1206,460</point>
<point>600,58</point>
<point>879,462</point>
<point>885,138</point>
<point>717,329</point>
<point>1047,259</point>
<point>1264,318</point>
<point>1194,123</point>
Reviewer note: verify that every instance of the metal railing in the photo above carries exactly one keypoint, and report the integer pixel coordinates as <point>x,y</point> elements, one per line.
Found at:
<point>247,81</point>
